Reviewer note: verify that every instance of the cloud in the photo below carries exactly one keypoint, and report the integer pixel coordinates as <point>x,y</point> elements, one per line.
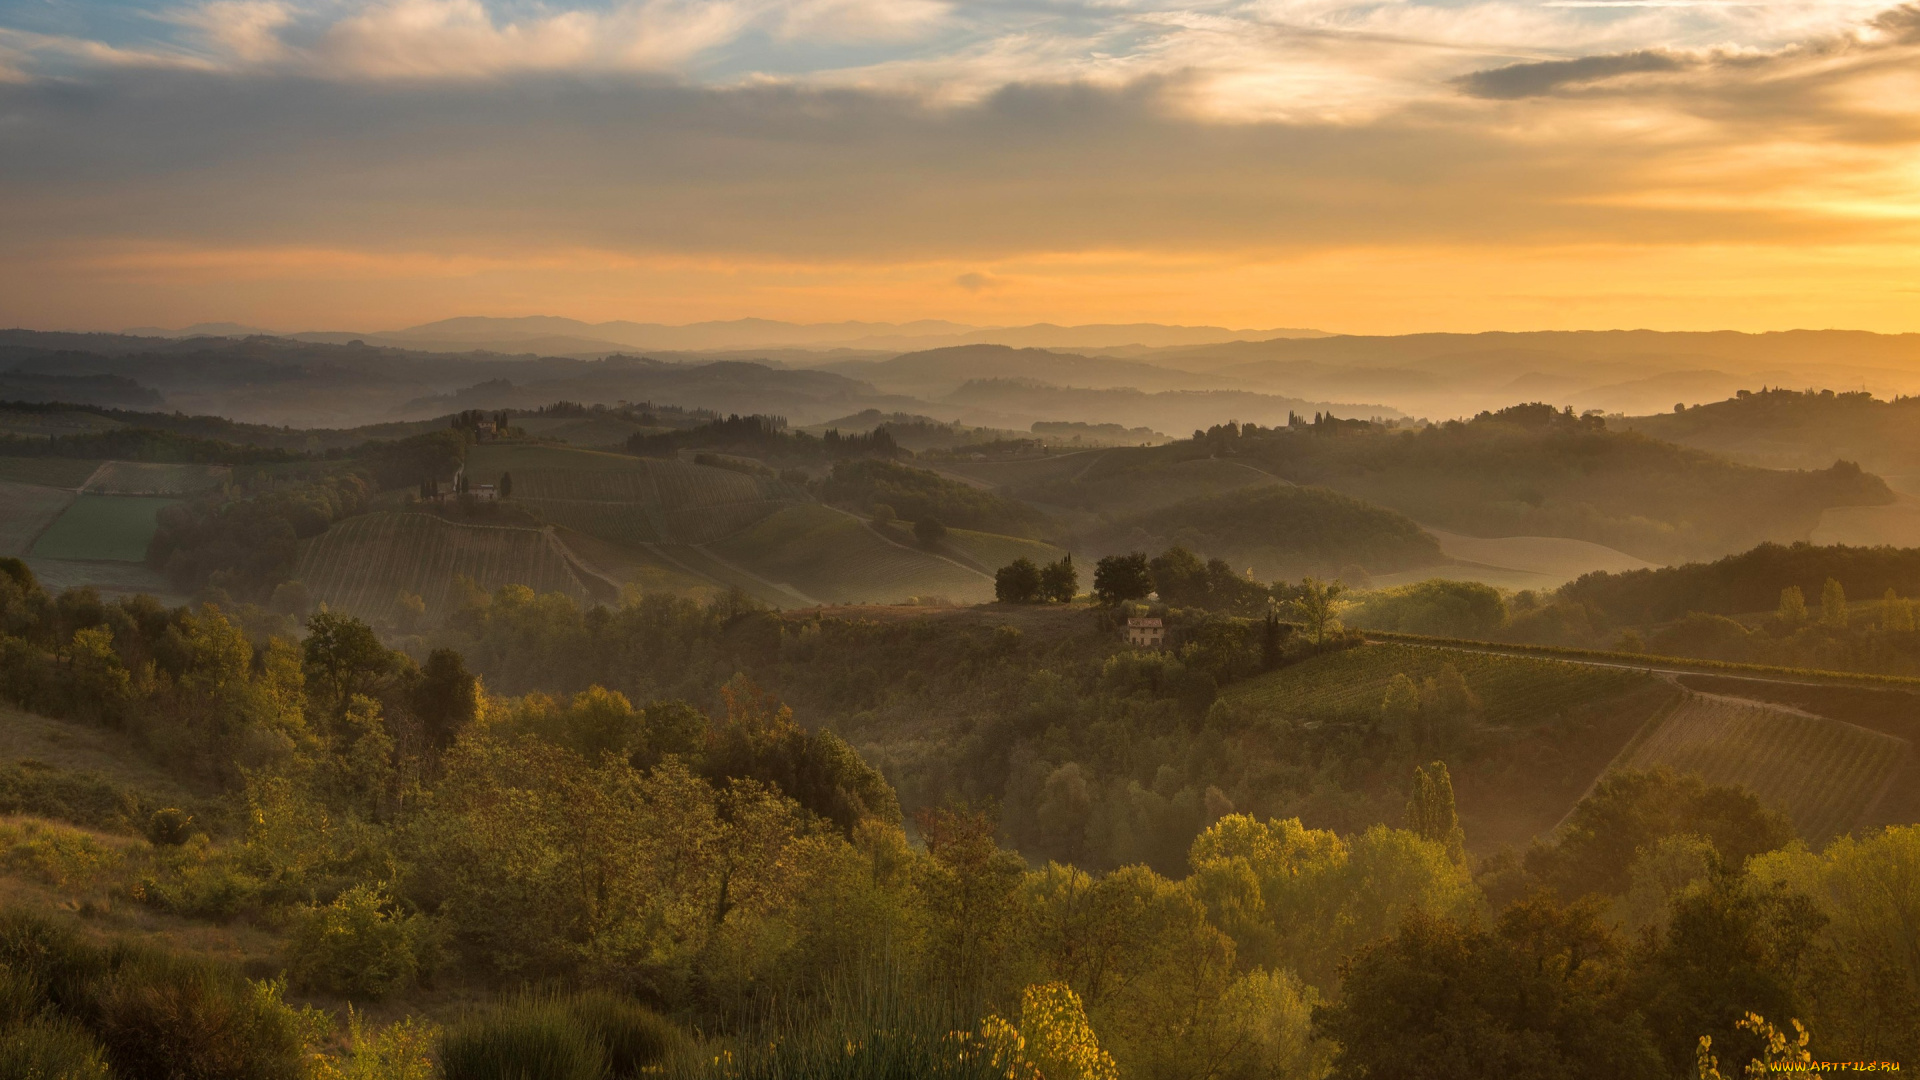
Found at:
<point>1545,77</point>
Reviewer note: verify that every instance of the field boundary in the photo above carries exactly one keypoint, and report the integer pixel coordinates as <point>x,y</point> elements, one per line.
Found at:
<point>1652,663</point>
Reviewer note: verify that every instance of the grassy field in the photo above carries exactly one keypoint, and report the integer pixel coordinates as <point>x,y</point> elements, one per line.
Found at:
<point>63,744</point>
<point>1349,686</point>
<point>107,527</point>
<point>629,500</point>
<point>993,551</point>
<point>1515,562</point>
<point>837,558</point>
<point>25,509</point>
<point>488,460</point>
<point>635,566</point>
<point>147,478</point>
<point>581,430</point>
<point>67,473</point>
<point>363,564</point>
<point>1824,774</point>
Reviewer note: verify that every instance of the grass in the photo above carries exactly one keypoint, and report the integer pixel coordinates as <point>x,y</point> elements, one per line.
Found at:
<point>837,558</point>
<point>635,566</point>
<point>628,500</point>
<point>993,550</point>
<point>80,748</point>
<point>113,528</point>
<point>67,473</point>
<point>589,431</point>
<point>147,478</point>
<point>25,509</point>
<point>363,565</point>
<point>596,1036</point>
<point>488,460</point>
<point>1349,686</point>
<point>1823,774</point>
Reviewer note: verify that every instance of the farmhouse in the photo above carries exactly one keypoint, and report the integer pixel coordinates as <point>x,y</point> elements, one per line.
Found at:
<point>1146,633</point>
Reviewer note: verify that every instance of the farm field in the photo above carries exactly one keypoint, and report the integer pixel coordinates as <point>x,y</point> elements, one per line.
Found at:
<point>836,558</point>
<point>1823,774</point>
<point>629,500</point>
<point>1516,562</point>
<point>122,578</point>
<point>636,567</point>
<point>107,527</point>
<point>1550,728</point>
<point>993,550</point>
<point>1348,687</point>
<point>1897,524</point>
<point>147,478</point>
<point>25,509</point>
<point>363,564</point>
<point>67,473</point>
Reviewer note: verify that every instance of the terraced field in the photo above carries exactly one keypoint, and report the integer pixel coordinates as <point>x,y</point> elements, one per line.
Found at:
<point>1349,686</point>
<point>148,478</point>
<point>363,564</point>
<point>1824,774</point>
<point>835,557</point>
<point>25,509</point>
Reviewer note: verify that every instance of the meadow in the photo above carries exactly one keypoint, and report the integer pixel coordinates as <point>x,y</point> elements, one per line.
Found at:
<point>56,472</point>
<point>105,527</point>
<point>25,509</point>
<point>364,564</point>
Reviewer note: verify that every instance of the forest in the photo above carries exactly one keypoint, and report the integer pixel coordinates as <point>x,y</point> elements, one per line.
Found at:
<point>624,841</point>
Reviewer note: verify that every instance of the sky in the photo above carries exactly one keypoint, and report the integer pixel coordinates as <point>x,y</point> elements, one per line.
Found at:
<point>1366,167</point>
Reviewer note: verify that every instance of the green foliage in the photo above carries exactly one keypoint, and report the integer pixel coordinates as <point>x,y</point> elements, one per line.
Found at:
<point>1534,998</point>
<point>50,1050</point>
<point>1629,811</point>
<point>1059,581</point>
<point>760,741</point>
<point>248,546</point>
<point>357,946</point>
<point>1461,609</point>
<point>1833,604</point>
<point>529,1040</point>
<point>915,494</point>
<point>1018,582</point>
<point>1430,811</point>
<point>633,1037</point>
<point>1120,578</point>
<point>169,826</point>
<point>929,531</point>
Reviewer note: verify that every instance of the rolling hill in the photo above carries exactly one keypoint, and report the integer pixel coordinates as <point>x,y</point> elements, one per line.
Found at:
<point>835,557</point>
<point>364,564</point>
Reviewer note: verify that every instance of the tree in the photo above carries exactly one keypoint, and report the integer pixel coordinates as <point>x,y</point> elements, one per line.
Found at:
<point>506,485</point>
<point>1833,605</point>
<point>1120,578</point>
<point>1316,602</point>
<point>1535,998</point>
<point>1430,810</point>
<point>1793,606</point>
<point>1896,612</point>
<point>1059,581</point>
<point>929,531</point>
<point>1018,582</point>
<point>447,698</point>
<point>883,515</point>
<point>1179,576</point>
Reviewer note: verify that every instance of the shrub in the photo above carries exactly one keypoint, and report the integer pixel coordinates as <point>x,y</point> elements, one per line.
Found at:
<point>528,1039</point>
<point>402,1050</point>
<point>165,1017</point>
<point>632,1036</point>
<point>49,964</point>
<point>169,827</point>
<point>60,857</point>
<point>50,1050</point>
<point>357,946</point>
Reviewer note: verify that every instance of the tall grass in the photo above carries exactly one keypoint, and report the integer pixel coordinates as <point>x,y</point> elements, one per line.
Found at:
<point>872,1028</point>
<point>594,1036</point>
<point>50,1050</point>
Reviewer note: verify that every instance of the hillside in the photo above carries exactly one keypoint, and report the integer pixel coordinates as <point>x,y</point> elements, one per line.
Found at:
<point>835,557</point>
<point>365,564</point>
<point>1792,429</point>
<point>1279,532</point>
<point>1825,775</point>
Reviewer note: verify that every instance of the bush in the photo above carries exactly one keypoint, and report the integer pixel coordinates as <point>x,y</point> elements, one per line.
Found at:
<point>165,1017</point>
<point>357,946</point>
<point>50,966</point>
<point>632,1036</point>
<point>525,1040</point>
<point>169,827</point>
<point>50,1050</point>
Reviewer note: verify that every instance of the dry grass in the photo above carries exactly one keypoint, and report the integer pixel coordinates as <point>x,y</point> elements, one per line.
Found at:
<point>25,736</point>
<point>26,509</point>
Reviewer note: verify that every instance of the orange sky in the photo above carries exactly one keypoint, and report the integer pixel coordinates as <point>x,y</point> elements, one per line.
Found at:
<point>1370,168</point>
